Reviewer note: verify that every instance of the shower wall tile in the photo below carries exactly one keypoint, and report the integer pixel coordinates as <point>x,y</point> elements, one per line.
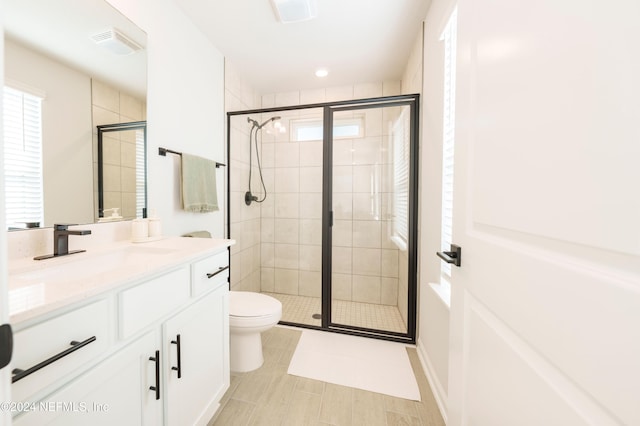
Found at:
<point>313,96</point>
<point>342,233</point>
<point>287,256</point>
<point>367,150</point>
<point>392,88</point>
<point>311,179</point>
<point>310,153</point>
<point>310,258</point>
<point>387,232</point>
<point>267,255</point>
<point>341,260</point>
<point>367,90</point>
<point>374,124</point>
<point>268,155</point>
<point>366,261</point>
<point>286,281</point>
<point>366,233</point>
<point>343,206</point>
<point>287,99</point>
<point>389,264</point>
<point>128,179</point>
<point>366,178</point>
<point>310,284</point>
<point>287,154</point>
<point>311,231</point>
<point>341,286</point>
<point>339,93</point>
<point>286,231</point>
<point>287,205</point>
<point>311,206</point>
<point>366,289</point>
<point>267,230</point>
<point>366,206</point>
<point>128,154</point>
<point>111,151</point>
<point>267,280</point>
<point>389,291</point>
<point>236,229</point>
<point>268,206</point>
<point>343,178</point>
<point>287,180</point>
<point>342,152</point>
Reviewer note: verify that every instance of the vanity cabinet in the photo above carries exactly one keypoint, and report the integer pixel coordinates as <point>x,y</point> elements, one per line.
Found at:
<point>162,357</point>
<point>196,360</point>
<point>109,394</point>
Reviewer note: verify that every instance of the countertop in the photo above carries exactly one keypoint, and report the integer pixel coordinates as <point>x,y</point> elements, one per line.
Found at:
<point>37,287</point>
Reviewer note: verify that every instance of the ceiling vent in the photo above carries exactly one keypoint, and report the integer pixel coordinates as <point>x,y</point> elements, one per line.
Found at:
<point>288,11</point>
<point>116,42</point>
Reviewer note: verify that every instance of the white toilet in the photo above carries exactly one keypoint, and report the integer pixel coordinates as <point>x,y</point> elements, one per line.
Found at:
<point>249,315</point>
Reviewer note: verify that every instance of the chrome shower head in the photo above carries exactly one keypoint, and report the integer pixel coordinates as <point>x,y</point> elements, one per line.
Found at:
<point>254,123</point>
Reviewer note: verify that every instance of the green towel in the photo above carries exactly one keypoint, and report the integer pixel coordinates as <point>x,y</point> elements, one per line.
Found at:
<point>198,234</point>
<point>198,184</point>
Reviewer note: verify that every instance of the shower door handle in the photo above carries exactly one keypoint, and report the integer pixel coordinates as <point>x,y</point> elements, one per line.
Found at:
<point>454,256</point>
<point>331,218</point>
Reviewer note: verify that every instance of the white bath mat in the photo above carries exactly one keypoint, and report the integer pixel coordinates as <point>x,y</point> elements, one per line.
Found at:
<point>358,362</point>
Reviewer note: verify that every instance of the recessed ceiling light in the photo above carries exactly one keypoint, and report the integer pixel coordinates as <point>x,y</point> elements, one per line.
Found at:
<point>322,73</point>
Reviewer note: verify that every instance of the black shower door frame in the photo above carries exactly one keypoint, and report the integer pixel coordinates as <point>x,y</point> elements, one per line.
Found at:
<point>329,109</point>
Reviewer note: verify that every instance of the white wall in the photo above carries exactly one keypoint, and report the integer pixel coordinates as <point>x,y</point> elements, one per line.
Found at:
<point>185,98</point>
<point>66,129</point>
<point>433,330</point>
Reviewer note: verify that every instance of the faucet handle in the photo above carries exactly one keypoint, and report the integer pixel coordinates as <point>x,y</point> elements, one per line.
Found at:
<point>63,226</point>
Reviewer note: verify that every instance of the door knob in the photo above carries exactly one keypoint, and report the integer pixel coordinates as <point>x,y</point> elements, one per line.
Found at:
<point>454,256</point>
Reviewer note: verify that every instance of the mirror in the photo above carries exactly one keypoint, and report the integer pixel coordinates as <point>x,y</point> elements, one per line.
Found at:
<point>70,54</point>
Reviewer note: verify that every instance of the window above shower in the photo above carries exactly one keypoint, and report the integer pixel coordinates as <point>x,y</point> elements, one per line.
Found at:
<point>311,129</point>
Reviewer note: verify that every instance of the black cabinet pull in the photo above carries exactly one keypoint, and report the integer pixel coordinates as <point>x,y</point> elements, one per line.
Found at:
<point>19,374</point>
<point>454,256</point>
<point>179,367</point>
<point>156,388</point>
<point>6,345</point>
<point>220,269</point>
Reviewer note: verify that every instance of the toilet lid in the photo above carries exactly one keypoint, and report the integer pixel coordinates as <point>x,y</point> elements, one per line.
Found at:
<point>250,304</point>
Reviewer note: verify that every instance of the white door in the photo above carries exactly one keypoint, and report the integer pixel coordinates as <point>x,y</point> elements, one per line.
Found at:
<point>545,326</point>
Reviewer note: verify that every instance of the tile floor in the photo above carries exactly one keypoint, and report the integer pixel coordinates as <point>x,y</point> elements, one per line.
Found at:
<point>299,310</point>
<point>270,396</point>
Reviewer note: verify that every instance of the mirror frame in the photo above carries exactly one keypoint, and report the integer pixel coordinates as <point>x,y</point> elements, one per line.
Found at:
<point>118,127</point>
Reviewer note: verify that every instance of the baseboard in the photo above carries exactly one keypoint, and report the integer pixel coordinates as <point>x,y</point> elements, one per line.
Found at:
<point>435,385</point>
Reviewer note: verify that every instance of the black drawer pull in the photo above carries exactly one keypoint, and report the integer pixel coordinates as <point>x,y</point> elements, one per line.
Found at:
<point>454,256</point>
<point>220,269</point>
<point>19,374</point>
<point>179,367</point>
<point>156,388</point>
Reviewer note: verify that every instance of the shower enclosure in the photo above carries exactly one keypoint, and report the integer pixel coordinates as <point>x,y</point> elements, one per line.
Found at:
<point>323,203</point>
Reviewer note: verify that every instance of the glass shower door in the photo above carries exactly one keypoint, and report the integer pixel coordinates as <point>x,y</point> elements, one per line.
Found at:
<point>370,218</point>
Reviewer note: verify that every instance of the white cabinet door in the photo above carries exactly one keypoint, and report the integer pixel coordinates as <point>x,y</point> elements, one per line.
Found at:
<point>200,358</point>
<point>116,392</point>
<point>545,307</point>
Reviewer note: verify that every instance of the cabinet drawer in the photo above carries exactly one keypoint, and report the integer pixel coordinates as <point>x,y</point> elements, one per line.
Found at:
<point>88,326</point>
<point>209,273</point>
<point>144,304</point>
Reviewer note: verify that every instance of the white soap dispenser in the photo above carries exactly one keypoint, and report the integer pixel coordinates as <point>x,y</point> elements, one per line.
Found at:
<point>155,227</point>
<point>139,230</point>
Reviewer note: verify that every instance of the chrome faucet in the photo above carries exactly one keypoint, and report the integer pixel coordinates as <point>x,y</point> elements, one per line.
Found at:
<point>61,234</point>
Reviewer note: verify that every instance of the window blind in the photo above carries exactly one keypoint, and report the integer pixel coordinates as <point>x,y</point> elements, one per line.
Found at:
<point>448,138</point>
<point>22,117</point>
<point>140,173</point>
<point>401,151</point>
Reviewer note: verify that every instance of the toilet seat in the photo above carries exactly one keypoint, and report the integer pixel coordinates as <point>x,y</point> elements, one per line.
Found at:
<point>245,304</point>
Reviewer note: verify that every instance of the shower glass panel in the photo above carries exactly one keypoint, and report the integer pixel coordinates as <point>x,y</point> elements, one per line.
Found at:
<point>322,205</point>
<point>370,193</point>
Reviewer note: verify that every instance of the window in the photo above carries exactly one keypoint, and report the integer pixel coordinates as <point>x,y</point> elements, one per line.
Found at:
<point>311,130</point>
<point>23,157</point>
<point>448,138</point>
<point>141,200</point>
<point>401,152</point>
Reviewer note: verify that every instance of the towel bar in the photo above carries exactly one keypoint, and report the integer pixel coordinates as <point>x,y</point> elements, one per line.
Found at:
<point>164,151</point>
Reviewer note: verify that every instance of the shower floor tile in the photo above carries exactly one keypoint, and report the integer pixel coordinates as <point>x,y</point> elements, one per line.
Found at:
<point>300,310</point>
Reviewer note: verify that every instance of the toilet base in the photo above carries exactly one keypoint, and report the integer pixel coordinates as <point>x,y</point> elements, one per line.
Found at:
<point>245,352</point>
